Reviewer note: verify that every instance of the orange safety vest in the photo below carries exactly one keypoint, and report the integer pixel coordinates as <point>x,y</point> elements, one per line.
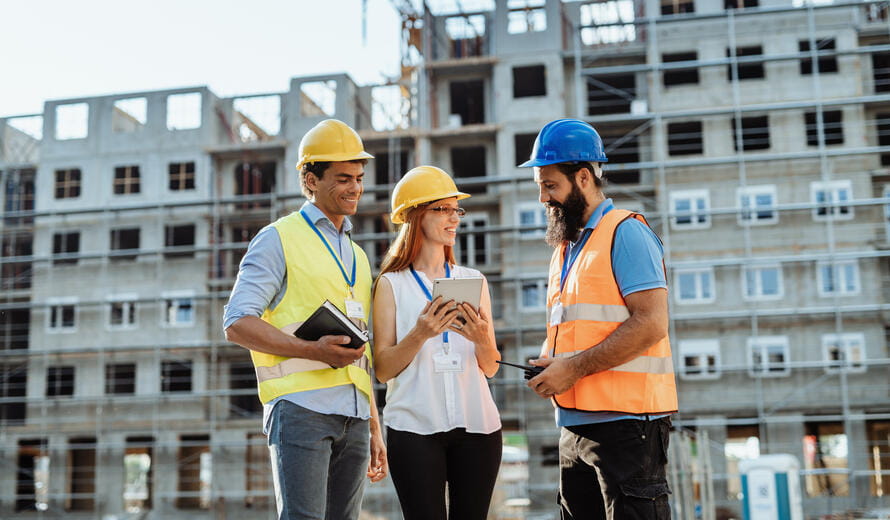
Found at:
<point>592,308</point>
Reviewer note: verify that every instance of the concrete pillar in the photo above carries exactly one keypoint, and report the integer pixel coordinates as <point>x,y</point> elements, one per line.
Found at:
<point>111,477</point>
<point>58,472</point>
<point>166,474</point>
<point>9,460</point>
<point>858,459</point>
<point>229,450</point>
<point>717,437</point>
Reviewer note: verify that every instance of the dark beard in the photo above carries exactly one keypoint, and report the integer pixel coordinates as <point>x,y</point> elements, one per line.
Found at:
<point>565,220</point>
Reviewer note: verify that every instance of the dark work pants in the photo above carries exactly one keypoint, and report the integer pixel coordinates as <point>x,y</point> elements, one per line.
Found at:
<point>420,466</point>
<point>614,470</point>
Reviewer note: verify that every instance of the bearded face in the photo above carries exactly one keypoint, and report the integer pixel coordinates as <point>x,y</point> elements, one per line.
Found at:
<point>566,219</point>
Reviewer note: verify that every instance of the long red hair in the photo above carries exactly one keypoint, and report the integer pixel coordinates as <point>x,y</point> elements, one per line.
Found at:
<point>406,247</point>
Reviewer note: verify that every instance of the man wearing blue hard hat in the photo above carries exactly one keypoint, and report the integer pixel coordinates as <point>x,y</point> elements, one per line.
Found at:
<point>607,359</point>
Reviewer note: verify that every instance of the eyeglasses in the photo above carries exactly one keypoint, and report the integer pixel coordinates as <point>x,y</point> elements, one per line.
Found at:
<point>448,211</point>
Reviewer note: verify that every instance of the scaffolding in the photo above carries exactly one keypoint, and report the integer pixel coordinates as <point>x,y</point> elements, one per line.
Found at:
<point>755,139</point>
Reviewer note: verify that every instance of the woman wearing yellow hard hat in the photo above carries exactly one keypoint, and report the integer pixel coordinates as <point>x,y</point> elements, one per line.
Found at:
<point>442,423</point>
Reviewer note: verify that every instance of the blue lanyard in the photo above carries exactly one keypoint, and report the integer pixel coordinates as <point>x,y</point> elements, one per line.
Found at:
<point>570,255</point>
<point>349,280</point>
<point>429,295</point>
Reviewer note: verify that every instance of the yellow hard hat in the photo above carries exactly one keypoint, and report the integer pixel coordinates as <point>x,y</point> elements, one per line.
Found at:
<point>331,140</point>
<point>419,185</point>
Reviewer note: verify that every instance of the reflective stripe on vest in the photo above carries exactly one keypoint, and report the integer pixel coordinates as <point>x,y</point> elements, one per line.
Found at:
<point>593,308</point>
<point>313,276</point>
<point>294,365</point>
<point>593,312</point>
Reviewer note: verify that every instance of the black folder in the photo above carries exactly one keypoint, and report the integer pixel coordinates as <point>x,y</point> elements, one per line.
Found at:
<point>328,320</point>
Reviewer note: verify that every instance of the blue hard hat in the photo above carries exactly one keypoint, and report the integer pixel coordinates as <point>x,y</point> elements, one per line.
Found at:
<point>565,141</point>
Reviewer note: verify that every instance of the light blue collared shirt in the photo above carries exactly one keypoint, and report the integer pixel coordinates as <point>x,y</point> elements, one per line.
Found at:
<point>261,284</point>
<point>637,256</point>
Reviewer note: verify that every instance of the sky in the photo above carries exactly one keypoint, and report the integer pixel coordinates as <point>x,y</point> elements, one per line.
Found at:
<point>62,49</point>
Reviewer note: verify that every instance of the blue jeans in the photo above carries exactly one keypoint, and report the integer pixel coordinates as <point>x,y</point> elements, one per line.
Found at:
<point>318,463</point>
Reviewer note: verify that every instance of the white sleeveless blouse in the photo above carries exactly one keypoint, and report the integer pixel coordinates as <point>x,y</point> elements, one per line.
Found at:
<point>422,401</point>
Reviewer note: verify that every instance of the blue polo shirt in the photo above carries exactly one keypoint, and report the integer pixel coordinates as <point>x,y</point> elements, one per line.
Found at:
<point>637,261</point>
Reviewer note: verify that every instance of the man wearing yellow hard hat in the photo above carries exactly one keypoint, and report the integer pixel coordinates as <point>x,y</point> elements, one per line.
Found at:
<point>317,398</point>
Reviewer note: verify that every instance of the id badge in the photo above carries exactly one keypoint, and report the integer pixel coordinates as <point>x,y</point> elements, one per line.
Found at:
<point>447,362</point>
<point>355,309</point>
<point>556,314</point>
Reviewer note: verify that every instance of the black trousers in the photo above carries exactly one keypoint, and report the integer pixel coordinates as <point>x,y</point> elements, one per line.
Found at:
<point>420,465</point>
<point>614,470</point>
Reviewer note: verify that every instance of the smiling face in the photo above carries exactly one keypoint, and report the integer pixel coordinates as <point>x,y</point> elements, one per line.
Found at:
<point>566,204</point>
<point>440,226</point>
<point>338,190</point>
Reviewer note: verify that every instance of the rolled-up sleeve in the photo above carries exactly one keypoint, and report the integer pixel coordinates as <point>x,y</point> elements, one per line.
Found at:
<point>260,280</point>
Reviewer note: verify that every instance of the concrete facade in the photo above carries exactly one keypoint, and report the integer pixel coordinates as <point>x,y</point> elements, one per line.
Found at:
<point>115,354</point>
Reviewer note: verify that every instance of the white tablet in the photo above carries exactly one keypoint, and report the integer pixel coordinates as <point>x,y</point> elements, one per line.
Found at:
<point>460,290</point>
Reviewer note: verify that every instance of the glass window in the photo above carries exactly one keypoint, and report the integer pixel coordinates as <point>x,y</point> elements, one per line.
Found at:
<point>694,285</point>
<point>690,209</point>
<point>830,198</point>
<point>62,315</point>
<point>838,279</point>
<point>122,312</point>
<point>178,310</point>
<point>473,241</point>
<point>534,295</point>
<point>763,282</point>
<point>700,359</point>
<point>757,205</point>
<point>532,219</point>
<point>844,352</point>
<point>768,356</point>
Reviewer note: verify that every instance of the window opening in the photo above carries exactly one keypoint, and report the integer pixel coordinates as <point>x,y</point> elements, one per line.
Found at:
<point>120,378</point>
<point>827,64</point>
<point>60,381</point>
<point>832,127</point>
<point>129,115</point>
<point>318,98</point>
<point>184,111</point>
<point>176,376</point>
<point>65,247</point>
<point>467,102</point>
<point>182,176</point>
<point>685,138</point>
<point>126,180</point>
<point>67,183</point>
<point>529,81</point>
<point>755,133</point>
<point>72,121</point>
<point>182,237</point>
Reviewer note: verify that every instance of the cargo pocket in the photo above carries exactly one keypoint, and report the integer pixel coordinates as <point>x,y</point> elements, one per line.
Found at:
<point>645,498</point>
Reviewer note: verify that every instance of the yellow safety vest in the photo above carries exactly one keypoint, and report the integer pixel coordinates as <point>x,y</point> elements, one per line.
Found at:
<point>313,276</point>
<point>592,308</point>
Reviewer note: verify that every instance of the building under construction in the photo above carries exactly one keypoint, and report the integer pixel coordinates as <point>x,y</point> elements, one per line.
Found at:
<point>753,134</point>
